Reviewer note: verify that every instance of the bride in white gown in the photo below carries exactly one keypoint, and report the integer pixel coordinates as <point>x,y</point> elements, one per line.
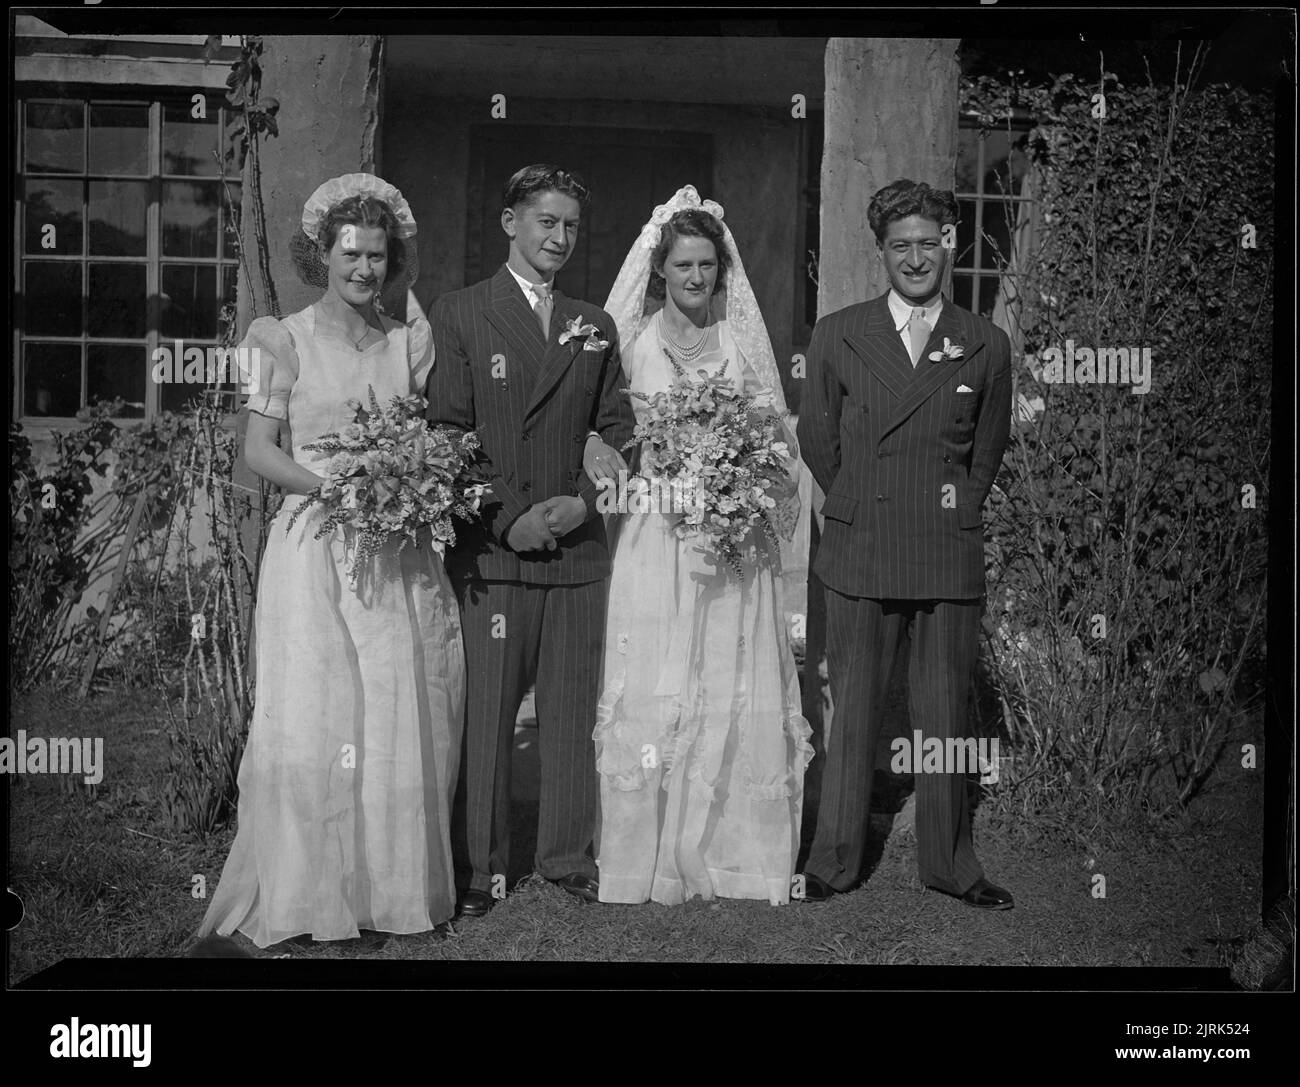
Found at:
<point>700,743</point>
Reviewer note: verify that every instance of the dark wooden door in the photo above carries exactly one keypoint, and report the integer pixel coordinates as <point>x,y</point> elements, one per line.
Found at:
<point>629,171</point>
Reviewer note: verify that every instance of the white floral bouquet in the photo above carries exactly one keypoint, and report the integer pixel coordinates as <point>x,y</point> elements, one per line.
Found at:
<point>727,449</point>
<point>390,473</point>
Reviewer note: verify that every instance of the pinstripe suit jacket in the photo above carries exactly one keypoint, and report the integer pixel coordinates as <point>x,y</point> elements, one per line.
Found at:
<point>904,459</point>
<point>532,403</point>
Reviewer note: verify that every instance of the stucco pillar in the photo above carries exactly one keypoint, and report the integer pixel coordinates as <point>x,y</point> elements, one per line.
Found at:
<point>891,112</point>
<point>329,89</point>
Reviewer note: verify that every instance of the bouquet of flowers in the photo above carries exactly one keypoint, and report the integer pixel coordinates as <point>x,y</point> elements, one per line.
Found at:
<point>726,449</point>
<point>390,473</point>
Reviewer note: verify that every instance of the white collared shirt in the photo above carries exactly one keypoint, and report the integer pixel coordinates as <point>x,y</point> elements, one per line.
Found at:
<point>528,288</point>
<point>901,309</point>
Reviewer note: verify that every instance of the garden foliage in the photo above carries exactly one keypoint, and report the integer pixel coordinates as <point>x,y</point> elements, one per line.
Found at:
<point>1128,532</point>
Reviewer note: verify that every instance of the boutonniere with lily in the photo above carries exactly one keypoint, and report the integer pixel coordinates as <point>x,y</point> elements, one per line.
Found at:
<point>949,352</point>
<point>589,334</point>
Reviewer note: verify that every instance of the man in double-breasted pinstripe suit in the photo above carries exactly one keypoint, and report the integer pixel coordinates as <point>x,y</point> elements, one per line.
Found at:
<point>904,418</point>
<point>532,580</point>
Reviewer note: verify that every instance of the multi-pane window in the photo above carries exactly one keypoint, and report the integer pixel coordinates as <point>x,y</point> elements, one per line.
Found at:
<point>991,168</point>
<point>127,243</point>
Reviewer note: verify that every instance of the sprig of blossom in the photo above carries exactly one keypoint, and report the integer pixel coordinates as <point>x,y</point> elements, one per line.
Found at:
<point>390,473</point>
<point>949,352</point>
<point>588,333</point>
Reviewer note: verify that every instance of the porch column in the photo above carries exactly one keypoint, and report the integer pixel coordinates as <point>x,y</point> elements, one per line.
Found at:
<point>329,89</point>
<point>891,112</point>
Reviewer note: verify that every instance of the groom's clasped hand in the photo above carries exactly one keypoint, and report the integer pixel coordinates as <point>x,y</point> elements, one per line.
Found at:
<point>544,523</point>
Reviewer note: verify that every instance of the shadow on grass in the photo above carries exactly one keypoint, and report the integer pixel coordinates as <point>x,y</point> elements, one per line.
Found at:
<point>102,876</point>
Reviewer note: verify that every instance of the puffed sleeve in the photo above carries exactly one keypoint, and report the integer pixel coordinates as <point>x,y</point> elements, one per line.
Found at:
<point>274,367</point>
<point>419,351</point>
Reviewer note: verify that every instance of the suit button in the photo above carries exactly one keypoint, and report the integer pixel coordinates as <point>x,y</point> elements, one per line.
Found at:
<point>947,459</point>
<point>880,456</point>
<point>864,411</point>
<point>880,498</point>
<point>526,435</point>
<point>577,437</point>
<point>588,392</point>
<point>526,487</point>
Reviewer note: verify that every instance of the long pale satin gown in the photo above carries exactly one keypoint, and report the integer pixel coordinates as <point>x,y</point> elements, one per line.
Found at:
<point>347,780</point>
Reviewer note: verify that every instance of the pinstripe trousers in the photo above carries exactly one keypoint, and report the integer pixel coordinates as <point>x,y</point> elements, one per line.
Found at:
<point>863,637</point>
<point>516,633</point>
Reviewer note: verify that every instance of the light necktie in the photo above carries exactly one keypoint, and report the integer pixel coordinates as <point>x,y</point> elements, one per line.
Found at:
<point>545,303</point>
<point>918,333</point>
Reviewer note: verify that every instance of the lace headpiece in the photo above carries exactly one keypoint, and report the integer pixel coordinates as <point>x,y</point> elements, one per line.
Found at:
<point>683,198</point>
<point>338,189</point>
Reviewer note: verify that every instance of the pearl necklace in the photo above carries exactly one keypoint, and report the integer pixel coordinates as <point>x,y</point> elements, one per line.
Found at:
<point>686,354</point>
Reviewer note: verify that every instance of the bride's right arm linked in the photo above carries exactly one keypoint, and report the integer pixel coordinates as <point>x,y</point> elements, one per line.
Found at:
<point>611,419</point>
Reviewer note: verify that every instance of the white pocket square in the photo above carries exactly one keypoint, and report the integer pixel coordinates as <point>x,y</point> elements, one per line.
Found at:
<point>964,389</point>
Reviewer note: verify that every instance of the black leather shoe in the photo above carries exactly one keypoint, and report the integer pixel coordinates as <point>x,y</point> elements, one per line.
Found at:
<point>475,904</point>
<point>816,889</point>
<point>984,895</point>
<point>217,947</point>
<point>580,886</point>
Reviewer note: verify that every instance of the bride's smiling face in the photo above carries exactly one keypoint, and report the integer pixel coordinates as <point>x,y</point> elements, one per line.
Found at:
<point>690,272</point>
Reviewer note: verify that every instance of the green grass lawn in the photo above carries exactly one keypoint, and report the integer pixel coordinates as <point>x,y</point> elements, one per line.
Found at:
<point>101,875</point>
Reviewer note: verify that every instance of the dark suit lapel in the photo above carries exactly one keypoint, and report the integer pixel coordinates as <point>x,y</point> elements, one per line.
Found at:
<point>881,348</point>
<point>930,376</point>
<point>559,357</point>
<point>509,313</point>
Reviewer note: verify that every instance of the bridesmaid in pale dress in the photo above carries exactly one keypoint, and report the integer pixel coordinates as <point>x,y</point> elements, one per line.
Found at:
<point>347,779</point>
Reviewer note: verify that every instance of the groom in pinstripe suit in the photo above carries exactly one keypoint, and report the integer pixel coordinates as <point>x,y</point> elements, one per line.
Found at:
<point>532,580</point>
<point>905,416</point>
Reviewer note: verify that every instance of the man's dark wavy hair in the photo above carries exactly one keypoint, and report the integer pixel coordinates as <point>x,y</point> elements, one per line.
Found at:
<point>902,198</point>
<point>542,177</point>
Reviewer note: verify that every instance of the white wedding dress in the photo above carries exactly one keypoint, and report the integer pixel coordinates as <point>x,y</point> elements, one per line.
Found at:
<point>700,743</point>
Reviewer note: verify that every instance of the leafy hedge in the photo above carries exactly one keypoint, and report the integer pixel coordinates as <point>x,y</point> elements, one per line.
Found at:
<point>1128,539</point>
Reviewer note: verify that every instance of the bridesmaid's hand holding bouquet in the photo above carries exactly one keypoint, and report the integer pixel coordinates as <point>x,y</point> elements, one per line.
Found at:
<point>390,473</point>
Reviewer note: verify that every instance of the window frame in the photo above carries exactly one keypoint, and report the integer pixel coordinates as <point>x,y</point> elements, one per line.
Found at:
<point>224,261</point>
<point>1022,123</point>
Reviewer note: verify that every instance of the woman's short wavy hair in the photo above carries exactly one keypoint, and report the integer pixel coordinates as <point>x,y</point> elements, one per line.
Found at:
<point>902,198</point>
<point>688,223</point>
